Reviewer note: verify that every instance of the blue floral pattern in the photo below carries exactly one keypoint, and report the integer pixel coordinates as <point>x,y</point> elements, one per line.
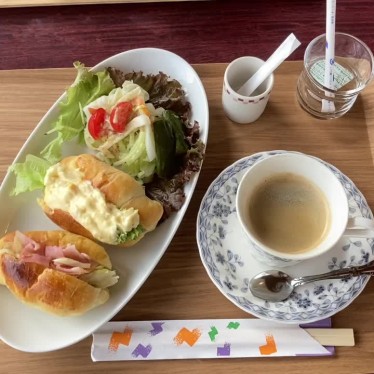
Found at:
<point>225,253</point>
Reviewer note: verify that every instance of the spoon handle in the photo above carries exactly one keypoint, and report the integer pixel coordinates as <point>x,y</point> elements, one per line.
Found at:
<point>353,271</point>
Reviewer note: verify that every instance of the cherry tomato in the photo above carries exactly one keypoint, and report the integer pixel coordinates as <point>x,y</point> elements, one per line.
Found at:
<point>120,115</point>
<point>96,121</point>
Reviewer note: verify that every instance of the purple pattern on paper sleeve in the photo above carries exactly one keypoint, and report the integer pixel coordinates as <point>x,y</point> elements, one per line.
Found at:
<point>224,351</point>
<point>141,350</point>
<point>157,328</point>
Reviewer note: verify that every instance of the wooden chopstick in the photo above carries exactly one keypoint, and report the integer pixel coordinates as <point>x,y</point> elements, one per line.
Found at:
<point>334,337</point>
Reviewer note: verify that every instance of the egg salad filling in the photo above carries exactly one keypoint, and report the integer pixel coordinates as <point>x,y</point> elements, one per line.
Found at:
<point>66,189</point>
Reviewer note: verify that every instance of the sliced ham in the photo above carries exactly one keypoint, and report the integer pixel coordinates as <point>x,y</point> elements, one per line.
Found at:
<point>24,243</point>
<point>53,251</point>
<point>36,258</point>
<point>66,259</point>
<point>71,251</point>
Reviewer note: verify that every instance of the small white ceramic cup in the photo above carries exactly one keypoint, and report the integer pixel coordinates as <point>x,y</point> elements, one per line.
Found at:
<point>239,108</point>
<point>315,171</point>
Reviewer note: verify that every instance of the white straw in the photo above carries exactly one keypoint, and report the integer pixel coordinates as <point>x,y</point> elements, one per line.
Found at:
<point>282,52</point>
<point>327,105</point>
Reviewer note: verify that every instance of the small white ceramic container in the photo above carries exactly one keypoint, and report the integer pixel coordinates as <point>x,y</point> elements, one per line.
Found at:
<point>239,108</point>
<point>313,170</point>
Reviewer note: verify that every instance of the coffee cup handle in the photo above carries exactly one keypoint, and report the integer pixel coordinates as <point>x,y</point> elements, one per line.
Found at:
<point>360,227</point>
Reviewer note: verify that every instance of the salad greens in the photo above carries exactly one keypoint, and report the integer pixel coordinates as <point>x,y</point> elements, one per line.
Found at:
<point>165,148</point>
<point>123,237</point>
<point>134,159</point>
<point>163,92</point>
<point>131,150</point>
<point>158,146</point>
<point>29,174</point>
<point>170,144</point>
<point>176,125</point>
<point>87,87</point>
<point>100,277</point>
<point>69,124</point>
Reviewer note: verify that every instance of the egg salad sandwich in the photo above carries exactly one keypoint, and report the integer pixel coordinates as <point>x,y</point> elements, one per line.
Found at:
<point>88,197</point>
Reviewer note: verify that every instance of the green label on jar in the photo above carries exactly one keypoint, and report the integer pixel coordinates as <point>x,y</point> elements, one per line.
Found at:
<point>341,75</point>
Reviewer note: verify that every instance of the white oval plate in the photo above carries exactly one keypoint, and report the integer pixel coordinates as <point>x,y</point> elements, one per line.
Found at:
<point>225,253</point>
<point>28,329</point>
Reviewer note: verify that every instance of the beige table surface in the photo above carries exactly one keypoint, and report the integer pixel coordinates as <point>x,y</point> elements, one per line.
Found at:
<point>179,287</point>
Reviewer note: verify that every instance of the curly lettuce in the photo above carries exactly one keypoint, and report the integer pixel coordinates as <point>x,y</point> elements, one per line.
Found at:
<point>87,87</point>
<point>163,91</point>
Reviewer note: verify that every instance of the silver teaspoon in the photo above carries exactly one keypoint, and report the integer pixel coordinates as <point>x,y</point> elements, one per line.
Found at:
<point>275,285</point>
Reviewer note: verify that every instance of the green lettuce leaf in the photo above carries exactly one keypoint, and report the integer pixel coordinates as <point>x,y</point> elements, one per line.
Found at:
<point>87,87</point>
<point>29,174</point>
<point>176,125</point>
<point>134,159</point>
<point>123,237</point>
<point>170,144</point>
<point>100,277</point>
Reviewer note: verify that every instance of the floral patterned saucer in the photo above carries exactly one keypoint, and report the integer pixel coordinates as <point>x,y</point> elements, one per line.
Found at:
<point>225,253</point>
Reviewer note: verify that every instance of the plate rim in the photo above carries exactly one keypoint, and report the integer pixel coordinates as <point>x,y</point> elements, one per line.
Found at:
<point>204,120</point>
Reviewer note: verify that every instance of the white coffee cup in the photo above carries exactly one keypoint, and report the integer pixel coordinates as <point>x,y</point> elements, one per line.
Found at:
<point>321,176</point>
<point>239,108</point>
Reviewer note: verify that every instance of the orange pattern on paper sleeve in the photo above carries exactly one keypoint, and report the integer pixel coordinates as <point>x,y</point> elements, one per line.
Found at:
<point>118,338</point>
<point>185,335</point>
<point>270,347</point>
